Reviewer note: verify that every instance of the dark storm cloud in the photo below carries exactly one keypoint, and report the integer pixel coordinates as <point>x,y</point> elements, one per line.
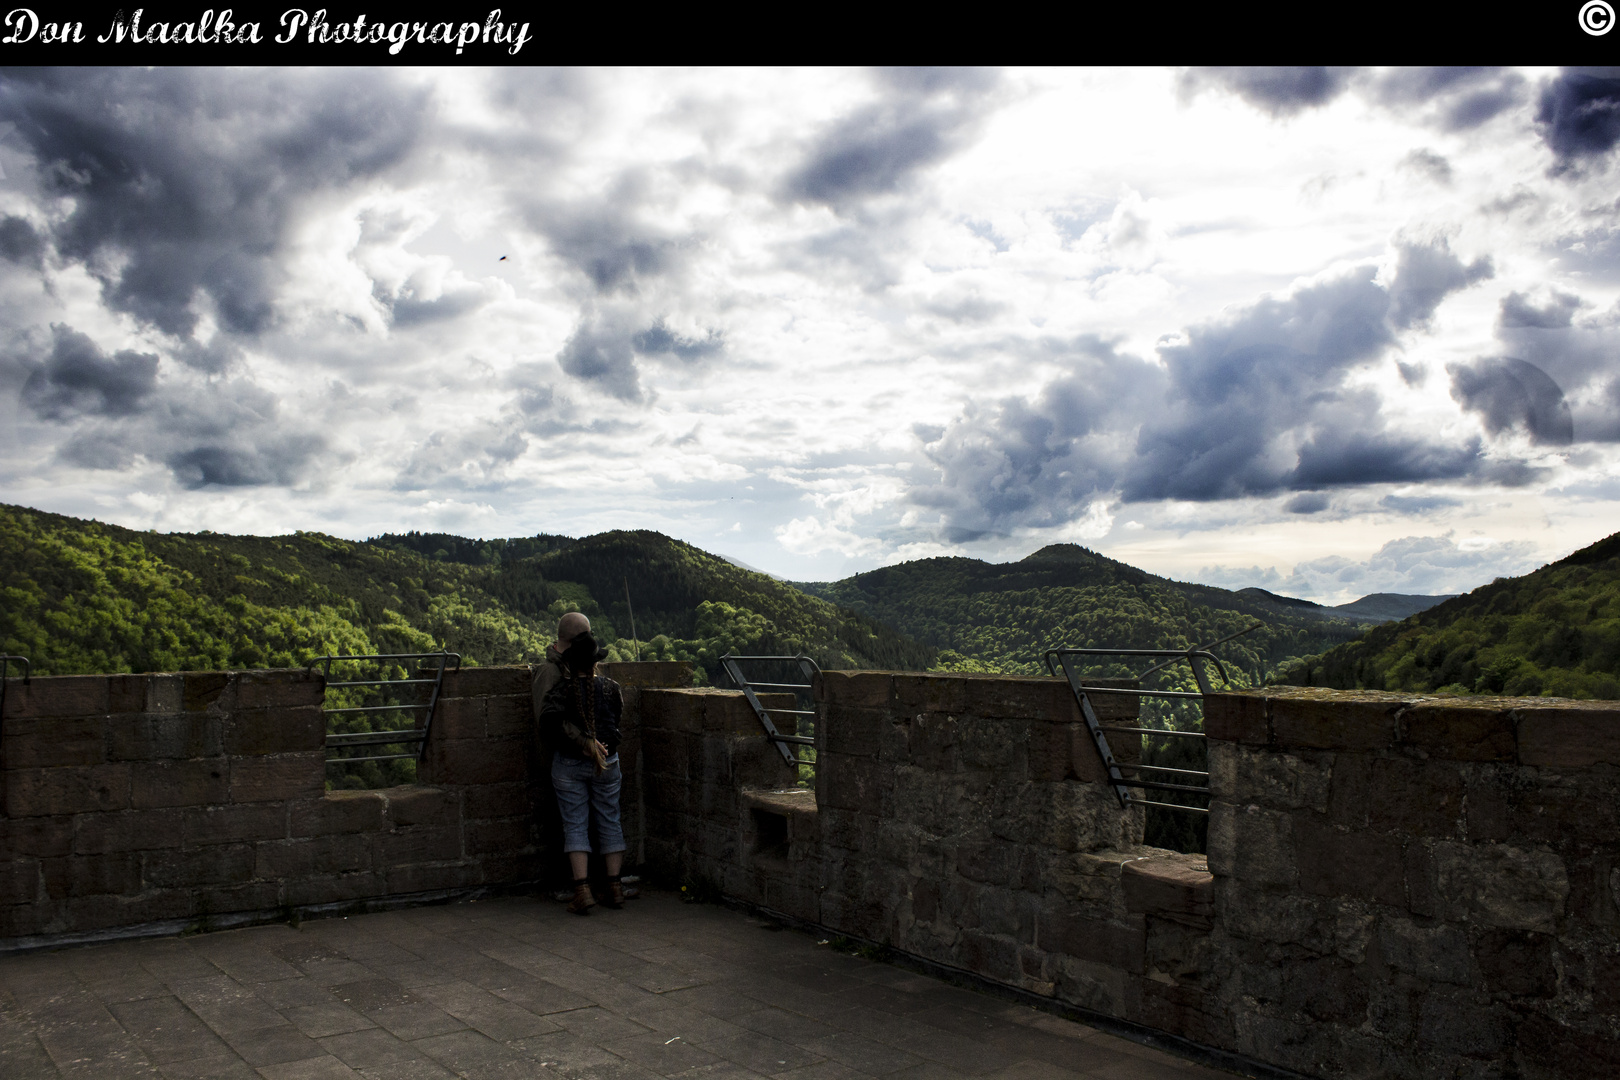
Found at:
<point>922,116</point>
<point>19,243</point>
<point>1507,392</point>
<point>1250,404</point>
<point>409,310</point>
<point>1579,114</point>
<point>1280,91</point>
<point>183,181</point>
<point>1519,312</point>
<point>78,379</point>
<point>1453,98</point>
<point>469,458</point>
<point>659,340</point>
<point>1427,163</point>
<point>1426,274</point>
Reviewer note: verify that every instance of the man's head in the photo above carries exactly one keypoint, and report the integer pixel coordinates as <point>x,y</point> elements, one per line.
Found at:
<point>569,627</point>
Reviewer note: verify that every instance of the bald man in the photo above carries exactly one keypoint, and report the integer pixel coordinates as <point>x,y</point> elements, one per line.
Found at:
<point>548,671</point>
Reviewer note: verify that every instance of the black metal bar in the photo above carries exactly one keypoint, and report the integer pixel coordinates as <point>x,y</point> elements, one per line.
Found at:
<point>376,708</point>
<point>1166,768</point>
<point>1089,715</point>
<point>1205,648</point>
<point>1156,786</point>
<point>729,662</point>
<point>375,757</point>
<point>782,685</point>
<point>1158,731</point>
<point>1170,806</point>
<point>1143,693</point>
<point>802,740</point>
<point>794,712</point>
<point>373,738</point>
<point>440,654</point>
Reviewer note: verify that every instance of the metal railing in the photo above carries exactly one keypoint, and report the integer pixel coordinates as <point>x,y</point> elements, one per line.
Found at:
<point>383,739</point>
<point>804,693</point>
<point>1163,776</point>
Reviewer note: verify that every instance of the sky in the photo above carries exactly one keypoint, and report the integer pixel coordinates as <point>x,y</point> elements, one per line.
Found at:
<point>1323,331</point>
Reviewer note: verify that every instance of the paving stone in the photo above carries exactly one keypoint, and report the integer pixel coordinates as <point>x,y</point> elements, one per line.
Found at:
<point>273,1045</point>
<point>321,1068</point>
<point>477,1057</point>
<point>412,1022</point>
<point>331,1018</point>
<point>224,1066</point>
<point>420,1069</point>
<point>662,1053</point>
<point>166,1030</point>
<point>760,1052</point>
<point>858,1051</point>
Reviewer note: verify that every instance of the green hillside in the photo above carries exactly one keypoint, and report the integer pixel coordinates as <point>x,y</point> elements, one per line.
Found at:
<point>1554,632</point>
<point>81,596</point>
<point>1004,616</point>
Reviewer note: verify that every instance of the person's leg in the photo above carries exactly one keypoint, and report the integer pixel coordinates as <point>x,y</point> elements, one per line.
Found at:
<point>572,784</point>
<point>605,787</point>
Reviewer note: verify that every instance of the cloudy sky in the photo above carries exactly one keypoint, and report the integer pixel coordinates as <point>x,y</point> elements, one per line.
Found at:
<point>1325,331</point>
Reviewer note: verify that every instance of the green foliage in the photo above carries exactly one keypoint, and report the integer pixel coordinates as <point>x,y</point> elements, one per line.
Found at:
<point>1555,632</point>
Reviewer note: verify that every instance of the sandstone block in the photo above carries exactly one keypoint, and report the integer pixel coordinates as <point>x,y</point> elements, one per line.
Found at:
<point>205,689</point>
<point>509,717</point>
<point>1262,847</point>
<point>313,857</point>
<point>1340,862</point>
<point>38,837</point>
<point>56,695</point>
<point>338,812</point>
<point>171,735</point>
<point>43,742</point>
<point>165,694</point>
<point>126,693</point>
<point>131,830</point>
<point>850,783</point>
<point>1575,736</point>
<point>403,880</point>
<point>1423,798</point>
<point>210,825</point>
<point>458,718</point>
<point>1432,953</point>
<point>1459,732</point>
<point>1495,885</point>
<point>98,912</point>
<point>228,899</point>
<point>849,730</point>
<point>1337,722</point>
<point>416,845</point>
<point>222,864</point>
<point>1237,718</point>
<point>179,783</point>
<point>284,688</point>
<point>90,875</point>
<point>417,805</point>
<point>497,837</point>
<point>19,882</point>
<point>334,888</point>
<point>1521,963</point>
<point>68,790</point>
<point>1172,887</point>
<point>649,673</point>
<point>275,730</point>
<point>275,777</point>
<point>1119,942</point>
<point>1270,778</point>
<point>486,681</point>
<point>501,800</point>
<point>476,761</point>
<point>672,710</point>
<point>857,689</point>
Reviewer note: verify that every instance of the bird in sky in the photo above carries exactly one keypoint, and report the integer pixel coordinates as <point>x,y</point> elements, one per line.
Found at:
<point>501,259</point>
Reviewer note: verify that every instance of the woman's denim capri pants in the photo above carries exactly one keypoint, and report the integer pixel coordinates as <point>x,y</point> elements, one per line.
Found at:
<point>582,792</point>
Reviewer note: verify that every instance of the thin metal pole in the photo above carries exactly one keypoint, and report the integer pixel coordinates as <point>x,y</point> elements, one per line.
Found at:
<point>633,639</point>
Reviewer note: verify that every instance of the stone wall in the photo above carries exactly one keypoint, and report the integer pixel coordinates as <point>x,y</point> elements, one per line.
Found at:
<point>198,799</point>
<point>1416,887</point>
<point>1396,887</point>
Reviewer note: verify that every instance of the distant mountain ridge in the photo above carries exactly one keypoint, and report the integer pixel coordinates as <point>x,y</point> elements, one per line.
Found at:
<point>1372,608</point>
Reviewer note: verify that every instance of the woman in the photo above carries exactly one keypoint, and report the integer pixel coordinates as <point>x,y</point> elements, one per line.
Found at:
<point>580,718</point>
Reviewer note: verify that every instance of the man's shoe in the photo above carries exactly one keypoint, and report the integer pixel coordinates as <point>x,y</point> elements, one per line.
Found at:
<point>615,894</point>
<point>583,900</point>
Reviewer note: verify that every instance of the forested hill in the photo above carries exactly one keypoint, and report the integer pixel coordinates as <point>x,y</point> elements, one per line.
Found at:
<point>1555,632</point>
<point>84,597</point>
<point>1003,616</point>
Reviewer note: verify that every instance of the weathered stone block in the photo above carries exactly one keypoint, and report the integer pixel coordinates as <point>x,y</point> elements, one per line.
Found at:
<point>857,689</point>
<point>509,717</point>
<point>1119,942</point>
<point>476,761</point>
<point>205,689</point>
<point>205,826</point>
<point>338,812</point>
<point>222,864</point>
<point>1572,736</point>
<point>56,695</point>
<point>278,776</point>
<point>39,837</point>
<point>853,731</point>
<point>850,783</point>
<point>1270,778</point>
<point>1521,963</point>
<point>649,673</point>
<point>416,845</point>
<point>283,688</point>
<point>458,718</point>
<point>126,693</point>
<point>44,742</point>
<point>504,800</point>
<point>403,880</point>
<point>672,710</point>
<point>1457,1022</point>
<point>1475,731</point>
<point>275,730</point>
<point>334,888</point>
<point>165,694</point>
<point>1431,953</point>
<point>497,837</point>
<point>313,857</point>
<point>262,896</point>
<point>423,806</point>
<point>178,783</point>
<point>131,830</point>
<point>19,882</point>
<point>1262,847</point>
<point>1334,720</point>
<point>1237,718</point>
<point>1496,885</point>
<point>486,681</point>
<point>69,790</point>
<point>1176,887</point>
<point>172,735</point>
<point>1423,798</point>
<point>90,875</point>
<point>86,913</point>
<point>1335,861</point>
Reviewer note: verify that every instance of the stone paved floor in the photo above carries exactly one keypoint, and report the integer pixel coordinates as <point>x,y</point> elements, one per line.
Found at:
<point>518,988</point>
